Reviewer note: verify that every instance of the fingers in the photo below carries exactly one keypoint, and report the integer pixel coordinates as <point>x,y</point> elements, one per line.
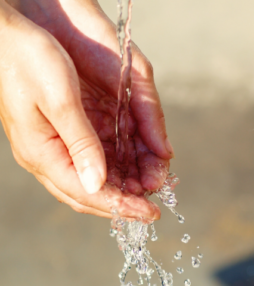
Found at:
<point>153,169</point>
<point>65,112</point>
<point>147,110</point>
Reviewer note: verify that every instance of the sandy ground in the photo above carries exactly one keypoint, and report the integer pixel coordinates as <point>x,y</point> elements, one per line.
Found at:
<point>202,55</point>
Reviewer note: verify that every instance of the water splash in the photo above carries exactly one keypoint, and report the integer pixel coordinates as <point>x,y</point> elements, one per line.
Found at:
<point>132,238</point>
<point>167,196</point>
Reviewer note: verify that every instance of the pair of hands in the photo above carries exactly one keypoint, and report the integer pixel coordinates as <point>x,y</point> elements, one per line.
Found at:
<point>59,76</point>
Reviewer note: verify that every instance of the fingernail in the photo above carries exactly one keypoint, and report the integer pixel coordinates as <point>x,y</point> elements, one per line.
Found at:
<point>91,180</point>
<point>169,148</point>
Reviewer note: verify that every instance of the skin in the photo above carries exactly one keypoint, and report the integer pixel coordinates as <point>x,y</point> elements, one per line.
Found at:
<point>59,76</point>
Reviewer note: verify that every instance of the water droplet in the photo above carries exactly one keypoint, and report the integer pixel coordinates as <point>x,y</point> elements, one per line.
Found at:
<point>179,270</point>
<point>119,222</point>
<point>112,232</point>
<point>185,238</point>
<point>126,266</point>
<point>133,260</point>
<point>121,275</point>
<point>141,268</point>
<point>171,175</point>
<point>140,281</point>
<point>201,255</point>
<point>114,212</point>
<point>147,252</point>
<point>165,190</point>
<point>178,255</point>
<point>195,262</point>
<point>150,272</point>
<point>187,282</point>
<point>175,181</point>
<point>170,203</point>
<point>181,219</point>
<point>153,236</point>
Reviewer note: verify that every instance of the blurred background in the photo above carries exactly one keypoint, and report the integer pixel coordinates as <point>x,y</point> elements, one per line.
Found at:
<point>203,58</point>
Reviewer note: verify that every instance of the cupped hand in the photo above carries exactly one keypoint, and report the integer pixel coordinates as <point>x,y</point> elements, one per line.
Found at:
<point>58,107</point>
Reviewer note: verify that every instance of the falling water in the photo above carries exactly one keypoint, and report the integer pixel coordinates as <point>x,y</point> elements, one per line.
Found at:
<point>124,91</point>
<point>132,236</point>
<point>132,239</point>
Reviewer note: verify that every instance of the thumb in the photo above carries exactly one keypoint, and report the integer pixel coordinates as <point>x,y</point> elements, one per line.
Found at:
<point>61,105</point>
<point>87,155</point>
<point>84,148</point>
<point>82,142</point>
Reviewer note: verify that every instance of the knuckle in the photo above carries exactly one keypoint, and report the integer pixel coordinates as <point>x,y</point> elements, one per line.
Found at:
<point>85,147</point>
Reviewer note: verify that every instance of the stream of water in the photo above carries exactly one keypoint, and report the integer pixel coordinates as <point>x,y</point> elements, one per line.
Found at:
<point>132,236</point>
<point>124,91</point>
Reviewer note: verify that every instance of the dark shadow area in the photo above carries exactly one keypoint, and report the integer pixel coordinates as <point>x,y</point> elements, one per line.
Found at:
<point>238,274</point>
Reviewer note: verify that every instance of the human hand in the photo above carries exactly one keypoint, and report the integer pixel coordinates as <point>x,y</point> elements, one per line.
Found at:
<point>45,121</point>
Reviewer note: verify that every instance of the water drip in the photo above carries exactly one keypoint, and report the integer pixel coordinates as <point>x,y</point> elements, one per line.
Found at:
<point>178,255</point>
<point>195,262</point>
<point>186,238</point>
<point>179,270</point>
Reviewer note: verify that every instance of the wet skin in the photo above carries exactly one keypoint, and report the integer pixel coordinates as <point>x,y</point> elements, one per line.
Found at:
<point>59,75</point>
